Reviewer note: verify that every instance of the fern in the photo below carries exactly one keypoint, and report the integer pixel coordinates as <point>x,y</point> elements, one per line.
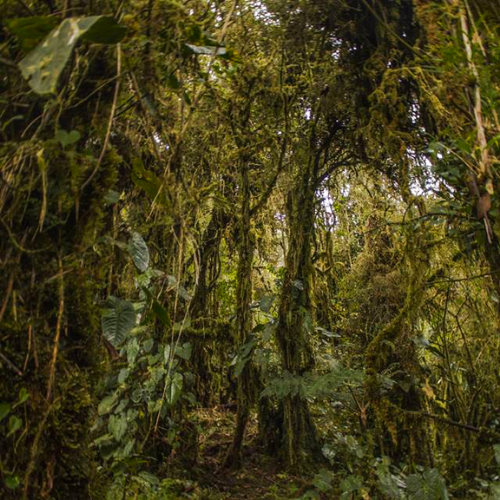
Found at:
<point>312,385</point>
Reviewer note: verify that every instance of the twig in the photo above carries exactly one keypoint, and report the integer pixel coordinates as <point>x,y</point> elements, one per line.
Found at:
<point>30,340</point>
<point>7,296</point>
<point>8,63</point>
<point>23,3</point>
<point>34,451</point>
<point>55,349</point>
<point>444,420</point>
<point>11,364</point>
<point>17,244</point>
<point>458,280</point>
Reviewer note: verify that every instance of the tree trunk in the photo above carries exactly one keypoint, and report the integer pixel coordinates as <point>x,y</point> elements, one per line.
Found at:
<point>243,317</point>
<point>295,322</point>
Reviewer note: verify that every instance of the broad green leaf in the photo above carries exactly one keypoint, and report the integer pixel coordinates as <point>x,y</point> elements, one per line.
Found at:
<point>391,486</point>
<point>122,375</point>
<point>106,438</point>
<point>111,197</point>
<point>104,30</point>
<point>107,404</point>
<point>148,345</point>
<point>150,478</point>
<point>427,486</point>
<point>12,482</point>
<point>31,30</point>
<point>118,319</point>
<point>15,423</point>
<point>122,405</point>
<point>23,396</point>
<point>158,310</point>
<point>172,82</point>
<point>184,351</point>
<point>167,352</point>
<point>4,410</point>
<point>323,480</point>
<point>136,396</point>
<point>174,388</point>
<point>350,484</point>
<point>139,252</point>
<point>132,351</point>
<point>67,138</point>
<point>161,313</point>
<point>45,63</point>
<point>117,426</point>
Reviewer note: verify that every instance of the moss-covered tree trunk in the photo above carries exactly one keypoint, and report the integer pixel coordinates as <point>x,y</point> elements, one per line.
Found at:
<point>201,317</point>
<point>396,412</point>
<point>246,246</point>
<point>295,319</point>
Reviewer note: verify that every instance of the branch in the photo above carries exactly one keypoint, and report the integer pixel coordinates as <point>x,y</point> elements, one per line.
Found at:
<point>8,63</point>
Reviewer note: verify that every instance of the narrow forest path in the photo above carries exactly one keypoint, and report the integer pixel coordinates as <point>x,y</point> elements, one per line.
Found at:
<point>259,477</point>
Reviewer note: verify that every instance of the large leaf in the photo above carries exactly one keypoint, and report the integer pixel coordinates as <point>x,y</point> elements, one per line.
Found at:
<point>4,410</point>
<point>118,319</point>
<point>104,30</point>
<point>117,426</point>
<point>184,351</point>
<point>31,30</point>
<point>174,388</point>
<point>323,480</point>
<point>139,252</point>
<point>67,138</point>
<point>15,423</point>
<point>44,64</point>
<point>427,486</point>
<point>158,310</point>
<point>107,404</point>
<point>12,482</point>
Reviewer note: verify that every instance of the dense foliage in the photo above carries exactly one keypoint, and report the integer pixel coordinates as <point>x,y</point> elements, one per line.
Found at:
<point>278,215</point>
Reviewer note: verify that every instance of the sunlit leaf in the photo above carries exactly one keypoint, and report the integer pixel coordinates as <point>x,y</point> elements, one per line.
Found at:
<point>207,51</point>
<point>43,66</point>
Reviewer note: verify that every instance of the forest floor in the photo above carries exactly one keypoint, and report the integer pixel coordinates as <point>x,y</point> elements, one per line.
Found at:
<point>259,477</point>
